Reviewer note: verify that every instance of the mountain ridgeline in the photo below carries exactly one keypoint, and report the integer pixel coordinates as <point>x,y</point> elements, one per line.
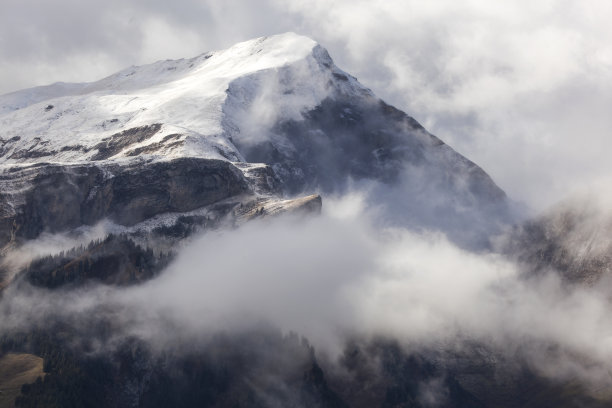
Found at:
<point>168,138</point>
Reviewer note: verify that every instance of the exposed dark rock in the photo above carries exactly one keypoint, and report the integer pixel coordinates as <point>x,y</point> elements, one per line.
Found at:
<point>114,144</point>
<point>11,140</point>
<point>31,154</point>
<point>74,148</point>
<point>178,186</point>
<point>341,77</point>
<point>167,143</point>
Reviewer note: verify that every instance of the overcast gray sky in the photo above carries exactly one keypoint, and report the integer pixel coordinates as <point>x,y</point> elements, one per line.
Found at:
<point>522,87</point>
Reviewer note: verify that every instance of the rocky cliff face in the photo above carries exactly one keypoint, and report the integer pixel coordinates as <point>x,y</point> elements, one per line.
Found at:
<point>61,197</point>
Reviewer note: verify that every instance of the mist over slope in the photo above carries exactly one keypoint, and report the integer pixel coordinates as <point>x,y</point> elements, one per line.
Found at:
<point>167,230</point>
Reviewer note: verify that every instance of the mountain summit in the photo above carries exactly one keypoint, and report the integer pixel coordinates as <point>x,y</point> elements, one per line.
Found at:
<point>267,119</point>
<point>65,123</point>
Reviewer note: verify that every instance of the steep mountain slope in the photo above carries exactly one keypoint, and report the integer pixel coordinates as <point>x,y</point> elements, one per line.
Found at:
<point>268,117</point>
<point>573,238</point>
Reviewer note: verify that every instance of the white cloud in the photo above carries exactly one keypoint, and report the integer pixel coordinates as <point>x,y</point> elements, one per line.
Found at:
<point>338,276</point>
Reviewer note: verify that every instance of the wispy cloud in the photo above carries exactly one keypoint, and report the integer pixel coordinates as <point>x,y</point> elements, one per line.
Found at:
<point>340,276</point>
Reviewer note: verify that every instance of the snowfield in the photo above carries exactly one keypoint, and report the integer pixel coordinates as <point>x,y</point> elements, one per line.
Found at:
<point>63,123</point>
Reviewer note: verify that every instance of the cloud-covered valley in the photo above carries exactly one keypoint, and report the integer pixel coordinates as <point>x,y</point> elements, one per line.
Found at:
<point>338,277</point>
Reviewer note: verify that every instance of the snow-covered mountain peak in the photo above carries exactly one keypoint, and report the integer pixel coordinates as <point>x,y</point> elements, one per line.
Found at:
<point>275,114</point>
<point>268,52</point>
<point>241,59</point>
<point>187,98</point>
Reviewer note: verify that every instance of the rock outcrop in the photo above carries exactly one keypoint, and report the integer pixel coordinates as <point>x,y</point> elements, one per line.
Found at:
<point>56,198</point>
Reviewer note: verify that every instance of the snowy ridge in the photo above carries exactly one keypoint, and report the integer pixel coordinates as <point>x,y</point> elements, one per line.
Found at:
<point>64,123</point>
